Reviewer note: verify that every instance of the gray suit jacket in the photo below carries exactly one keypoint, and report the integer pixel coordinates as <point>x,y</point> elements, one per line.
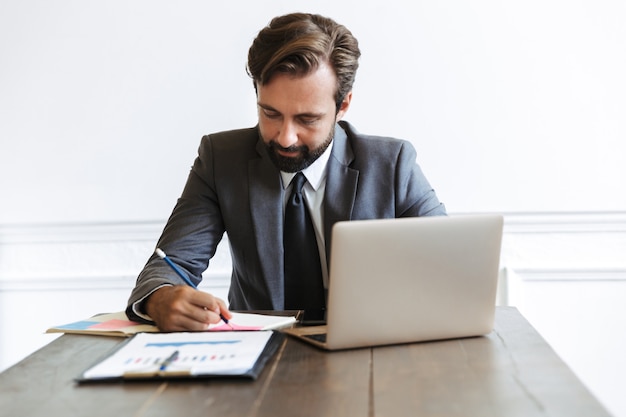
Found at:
<point>233,187</point>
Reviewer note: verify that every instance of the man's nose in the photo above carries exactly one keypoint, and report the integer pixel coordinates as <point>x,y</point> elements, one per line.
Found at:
<point>287,135</point>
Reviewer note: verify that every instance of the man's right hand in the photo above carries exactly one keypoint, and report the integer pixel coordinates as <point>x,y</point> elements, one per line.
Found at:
<point>182,308</point>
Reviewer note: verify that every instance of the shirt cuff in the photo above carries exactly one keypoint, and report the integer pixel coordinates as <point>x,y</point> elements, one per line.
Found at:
<point>138,306</point>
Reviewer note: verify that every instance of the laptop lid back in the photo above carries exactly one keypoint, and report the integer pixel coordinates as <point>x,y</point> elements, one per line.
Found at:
<point>412,279</point>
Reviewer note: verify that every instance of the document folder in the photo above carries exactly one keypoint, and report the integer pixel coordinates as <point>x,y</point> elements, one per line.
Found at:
<point>157,356</point>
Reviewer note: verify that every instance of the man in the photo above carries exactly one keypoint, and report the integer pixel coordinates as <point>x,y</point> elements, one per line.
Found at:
<point>303,67</point>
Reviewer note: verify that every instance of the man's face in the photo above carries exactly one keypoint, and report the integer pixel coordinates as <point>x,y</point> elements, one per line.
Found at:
<point>297,117</point>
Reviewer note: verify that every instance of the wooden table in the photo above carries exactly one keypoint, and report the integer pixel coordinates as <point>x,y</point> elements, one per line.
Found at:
<point>511,372</point>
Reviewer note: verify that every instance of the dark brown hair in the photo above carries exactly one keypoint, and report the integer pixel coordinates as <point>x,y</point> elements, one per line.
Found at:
<point>297,43</point>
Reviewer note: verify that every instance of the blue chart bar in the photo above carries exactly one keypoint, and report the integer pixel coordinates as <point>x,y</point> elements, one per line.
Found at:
<point>179,344</point>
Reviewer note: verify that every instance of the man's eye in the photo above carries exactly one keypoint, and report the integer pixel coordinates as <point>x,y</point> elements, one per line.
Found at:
<point>271,115</point>
<point>308,120</point>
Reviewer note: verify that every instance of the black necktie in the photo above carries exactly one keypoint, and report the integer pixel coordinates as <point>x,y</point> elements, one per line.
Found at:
<point>304,288</point>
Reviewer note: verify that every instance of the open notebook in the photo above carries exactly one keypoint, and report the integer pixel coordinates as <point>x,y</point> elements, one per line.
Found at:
<point>118,324</point>
<point>409,280</point>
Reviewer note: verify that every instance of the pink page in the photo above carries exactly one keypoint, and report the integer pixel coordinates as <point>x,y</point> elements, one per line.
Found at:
<point>232,326</point>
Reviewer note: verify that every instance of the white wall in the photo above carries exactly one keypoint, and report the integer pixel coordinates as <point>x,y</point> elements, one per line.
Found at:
<point>514,107</point>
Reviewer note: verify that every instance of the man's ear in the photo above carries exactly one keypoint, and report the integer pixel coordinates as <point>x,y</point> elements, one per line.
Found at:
<point>345,105</point>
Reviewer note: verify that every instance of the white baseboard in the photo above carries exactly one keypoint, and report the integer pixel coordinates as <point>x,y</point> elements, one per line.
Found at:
<point>565,246</point>
<point>56,257</point>
<point>536,246</point>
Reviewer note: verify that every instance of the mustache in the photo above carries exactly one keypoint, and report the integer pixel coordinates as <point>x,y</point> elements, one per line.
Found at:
<point>275,146</point>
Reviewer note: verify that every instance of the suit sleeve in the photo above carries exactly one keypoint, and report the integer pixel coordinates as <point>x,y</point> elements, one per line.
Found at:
<point>414,194</point>
<point>190,236</point>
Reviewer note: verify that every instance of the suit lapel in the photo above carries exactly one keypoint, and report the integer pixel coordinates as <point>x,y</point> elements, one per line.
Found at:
<point>341,185</point>
<point>267,221</point>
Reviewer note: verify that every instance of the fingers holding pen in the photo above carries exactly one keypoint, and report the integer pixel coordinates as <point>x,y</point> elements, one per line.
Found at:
<point>182,308</point>
<point>223,310</point>
<point>215,308</point>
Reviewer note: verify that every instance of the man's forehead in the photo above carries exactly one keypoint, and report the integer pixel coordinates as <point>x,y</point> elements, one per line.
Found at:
<point>311,93</point>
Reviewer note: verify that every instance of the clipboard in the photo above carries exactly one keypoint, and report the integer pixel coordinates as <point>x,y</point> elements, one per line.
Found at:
<point>186,355</point>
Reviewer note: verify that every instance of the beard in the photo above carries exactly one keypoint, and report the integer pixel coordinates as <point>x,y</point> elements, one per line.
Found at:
<point>305,158</point>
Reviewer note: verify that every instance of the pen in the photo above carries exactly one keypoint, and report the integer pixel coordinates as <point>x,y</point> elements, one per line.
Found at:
<point>181,274</point>
<point>168,361</point>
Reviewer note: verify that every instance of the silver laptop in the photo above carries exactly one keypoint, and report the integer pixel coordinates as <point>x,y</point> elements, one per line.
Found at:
<point>409,280</point>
